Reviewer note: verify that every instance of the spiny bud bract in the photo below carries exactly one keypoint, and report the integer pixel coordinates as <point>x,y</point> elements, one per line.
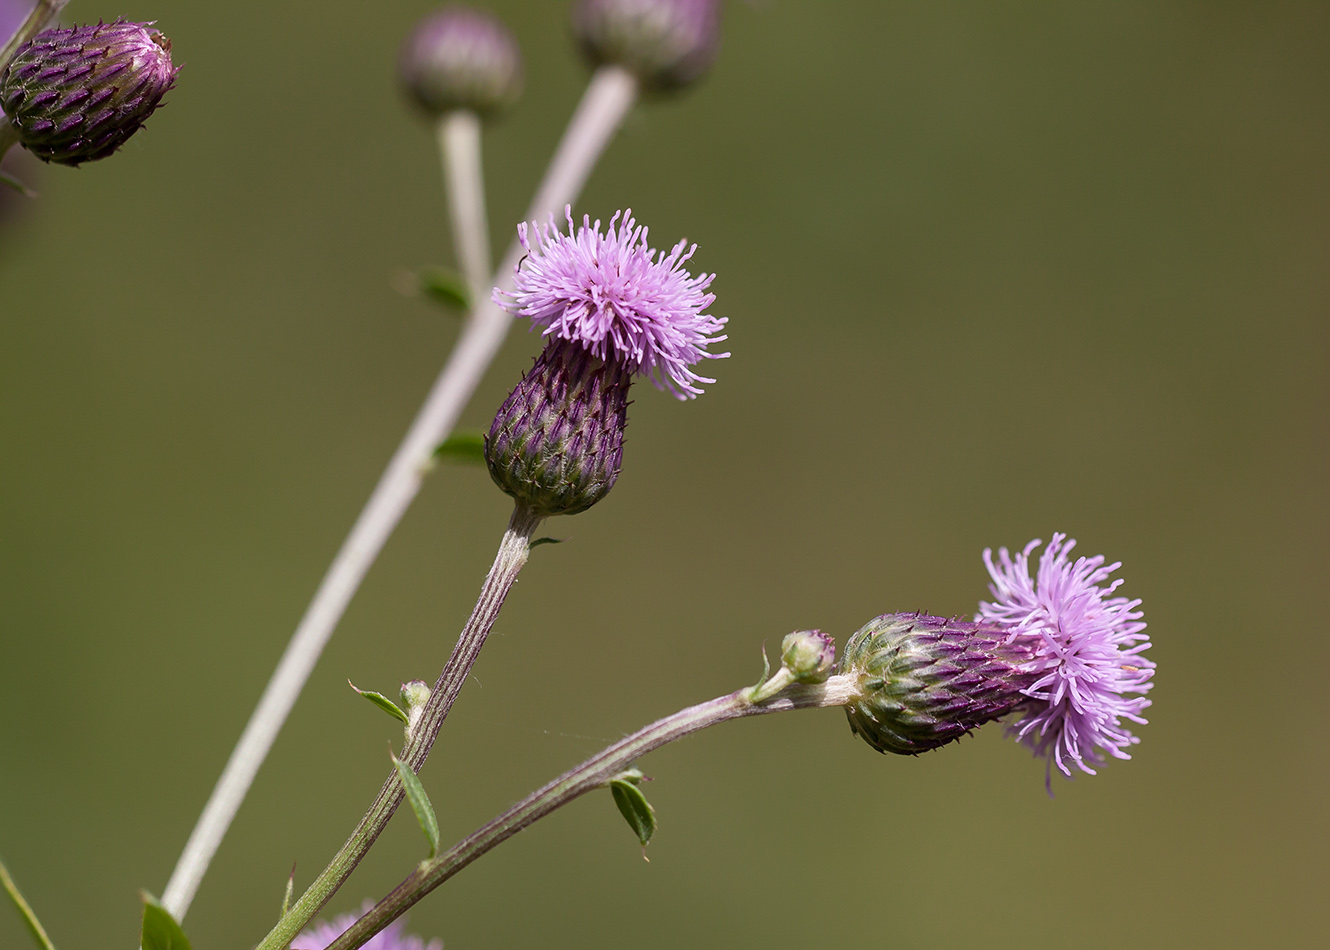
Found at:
<point>665,43</point>
<point>808,654</point>
<point>460,58</point>
<point>75,95</point>
<point>925,681</point>
<point>557,441</point>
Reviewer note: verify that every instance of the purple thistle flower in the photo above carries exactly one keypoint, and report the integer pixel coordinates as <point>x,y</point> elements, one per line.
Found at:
<point>1089,671</point>
<point>323,933</point>
<point>618,298</point>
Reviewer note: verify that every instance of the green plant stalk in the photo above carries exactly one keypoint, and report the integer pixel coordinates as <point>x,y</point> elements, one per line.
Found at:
<point>25,911</point>
<point>8,134</point>
<point>512,555</point>
<point>42,14</point>
<point>591,774</point>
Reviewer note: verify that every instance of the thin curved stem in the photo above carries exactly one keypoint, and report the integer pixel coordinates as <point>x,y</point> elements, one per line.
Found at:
<point>607,100</point>
<point>594,773</point>
<point>38,19</point>
<point>513,552</point>
<point>25,910</point>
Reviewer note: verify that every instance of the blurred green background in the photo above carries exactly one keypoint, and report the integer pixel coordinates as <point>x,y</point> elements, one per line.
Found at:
<point>992,270</point>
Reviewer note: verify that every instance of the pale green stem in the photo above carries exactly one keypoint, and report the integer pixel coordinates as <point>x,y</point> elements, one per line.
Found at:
<point>42,14</point>
<point>513,552</point>
<point>464,181</point>
<point>608,98</point>
<point>591,774</point>
<point>8,135</point>
<point>25,911</point>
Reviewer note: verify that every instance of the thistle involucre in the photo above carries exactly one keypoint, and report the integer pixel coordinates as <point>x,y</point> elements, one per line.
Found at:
<point>459,58</point>
<point>75,95</point>
<point>665,43</point>
<point>612,308</point>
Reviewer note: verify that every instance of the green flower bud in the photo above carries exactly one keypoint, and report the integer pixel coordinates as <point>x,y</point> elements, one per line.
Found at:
<point>75,95</point>
<point>557,440</point>
<point>924,681</point>
<point>809,655</point>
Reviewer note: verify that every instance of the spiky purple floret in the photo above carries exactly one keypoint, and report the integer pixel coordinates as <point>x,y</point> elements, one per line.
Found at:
<point>1090,671</point>
<point>323,933</point>
<point>618,298</point>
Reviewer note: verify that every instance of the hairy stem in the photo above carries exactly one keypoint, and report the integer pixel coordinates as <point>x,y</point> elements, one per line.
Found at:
<point>42,14</point>
<point>608,98</point>
<point>513,552</point>
<point>463,180</point>
<point>594,773</point>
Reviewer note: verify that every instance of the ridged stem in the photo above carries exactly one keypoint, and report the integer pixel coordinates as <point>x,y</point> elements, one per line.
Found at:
<point>464,182</point>
<point>41,16</point>
<point>513,551</point>
<point>607,100</point>
<point>594,773</point>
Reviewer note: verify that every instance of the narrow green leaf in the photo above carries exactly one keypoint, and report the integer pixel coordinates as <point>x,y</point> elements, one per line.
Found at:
<point>29,917</point>
<point>766,669</point>
<point>634,807</point>
<point>539,541</point>
<point>290,889</point>
<point>415,793</point>
<point>463,447</point>
<point>9,181</point>
<point>382,701</point>
<point>160,930</point>
<point>446,287</point>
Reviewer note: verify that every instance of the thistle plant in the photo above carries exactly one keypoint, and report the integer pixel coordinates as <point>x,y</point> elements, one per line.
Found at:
<point>1058,654</point>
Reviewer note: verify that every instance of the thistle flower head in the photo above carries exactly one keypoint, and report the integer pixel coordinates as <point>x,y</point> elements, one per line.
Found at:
<point>323,933</point>
<point>665,43</point>
<point>618,298</point>
<point>460,58</point>
<point>925,681</point>
<point>75,95</point>
<point>1087,665</point>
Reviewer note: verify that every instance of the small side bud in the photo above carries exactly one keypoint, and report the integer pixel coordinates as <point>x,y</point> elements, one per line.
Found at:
<point>665,43</point>
<point>76,95</point>
<point>460,58</point>
<point>557,440</point>
<point>415,695</point>
<point>810,655</point>
<point>924,681</point>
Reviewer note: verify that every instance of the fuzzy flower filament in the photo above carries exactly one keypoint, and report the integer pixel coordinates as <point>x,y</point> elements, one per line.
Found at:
<point>618,298</point>
<point>323,933</point>
<point>1088,668</point>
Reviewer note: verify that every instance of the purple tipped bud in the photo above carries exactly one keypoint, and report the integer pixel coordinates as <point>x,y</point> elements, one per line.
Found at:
<point>75,95</point>
<point>924,681</point>
<point>557,440</point>
<point>459,58</point>
<point>665,43</point>
<point>809,654</point>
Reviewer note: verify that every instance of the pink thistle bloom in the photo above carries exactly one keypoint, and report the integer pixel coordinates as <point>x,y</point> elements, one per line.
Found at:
<point>1090,674</point>
<point>618,298</point>
<point>323,933</point>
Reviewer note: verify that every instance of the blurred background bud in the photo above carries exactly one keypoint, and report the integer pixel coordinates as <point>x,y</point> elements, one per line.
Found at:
<point>75,95</point>
<point>809,655</point>
<point>460,58</point>
<point>665,43</point>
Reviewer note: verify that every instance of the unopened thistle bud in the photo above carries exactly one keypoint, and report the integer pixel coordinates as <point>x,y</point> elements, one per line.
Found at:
<point>665,43</point>
<point>557,441</point>
<point>810,655</point>
<point>75,95</point>
<point>612,309</point>
<point>925,681</point>
<point>460,58</point>
<point>415,695</point>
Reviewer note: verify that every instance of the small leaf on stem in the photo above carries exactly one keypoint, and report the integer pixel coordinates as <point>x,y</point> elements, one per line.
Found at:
<point>634,807</point>
<point>415,793</point>
<point>29,916</point>
<point>540,541</point>
<point>382,701</point>
<point>290,889</point>
<point>462,447</point>
<point>446,287</point>
<point>160,930</point>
